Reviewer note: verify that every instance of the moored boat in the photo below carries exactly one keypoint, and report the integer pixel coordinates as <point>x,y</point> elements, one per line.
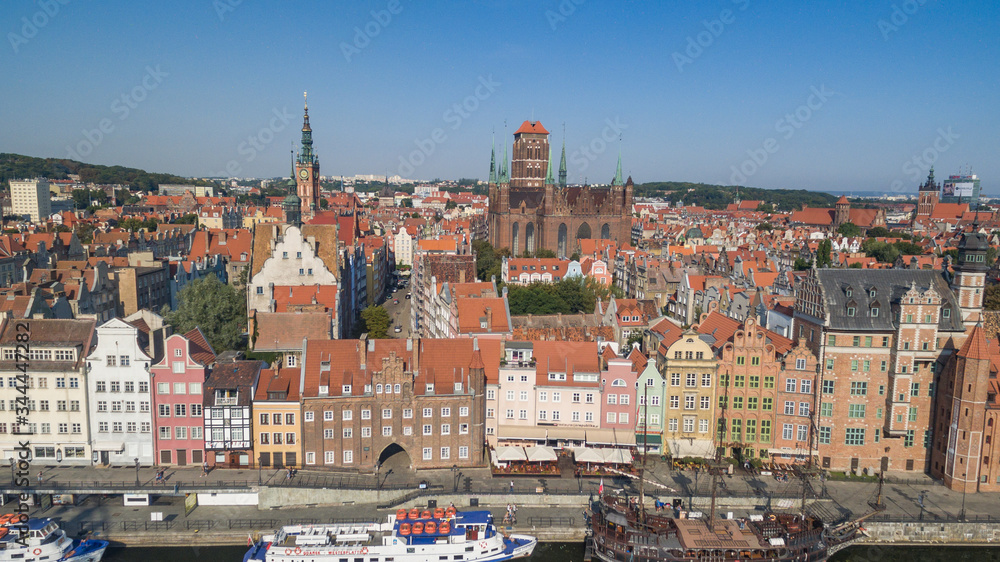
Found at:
<point>415,535</point>
<point>42,539</point>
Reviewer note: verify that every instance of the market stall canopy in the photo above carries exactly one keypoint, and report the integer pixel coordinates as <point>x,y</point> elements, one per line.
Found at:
<point>586,454</point>
<point>540,454</point>
<point>621,438</point>
<point>507,454</point>
<point>616,456</point>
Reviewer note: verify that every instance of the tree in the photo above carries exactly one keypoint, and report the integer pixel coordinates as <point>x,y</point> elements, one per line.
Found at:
<point>375,321</point>
<point>823,251</point>
<point>633,339</point>
<point>190,218</point>
<point>575,256</point>
<point>406,203</point>
<point>324,204</point>
<point>765,208</point>
<point>878,232</point>
<point>801,264</point>
<point>450,205</point>
<point>855,265</point>
<point>545,253</point>
<point>849,229</point>
<point>764,226</point>
<point>218,309</point>
<point>991,299</point>
<point>881,251</point>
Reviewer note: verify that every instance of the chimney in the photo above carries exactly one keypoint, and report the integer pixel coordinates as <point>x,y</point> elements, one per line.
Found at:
<point>418,349</point>
<point>461,276</point>
<point>363,350</point>
<point>489,319</point>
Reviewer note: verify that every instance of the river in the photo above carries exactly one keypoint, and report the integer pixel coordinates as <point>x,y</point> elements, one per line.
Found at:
<point>573,552</point>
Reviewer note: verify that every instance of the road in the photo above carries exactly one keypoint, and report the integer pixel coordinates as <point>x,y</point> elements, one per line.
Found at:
<point>399,314</point>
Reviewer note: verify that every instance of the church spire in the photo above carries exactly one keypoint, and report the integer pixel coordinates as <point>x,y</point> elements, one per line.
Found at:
<point>493,161</point>
<point>617,182</point>
<point>562,161</point>
<point>549,178</point>
<point>504,170</point>
<point>306,155</point>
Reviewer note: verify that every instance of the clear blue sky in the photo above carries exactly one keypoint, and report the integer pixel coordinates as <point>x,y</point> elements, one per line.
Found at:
<point>220,77</point>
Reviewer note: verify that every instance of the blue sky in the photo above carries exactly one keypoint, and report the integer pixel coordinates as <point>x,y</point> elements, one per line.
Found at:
<point>780,94</point>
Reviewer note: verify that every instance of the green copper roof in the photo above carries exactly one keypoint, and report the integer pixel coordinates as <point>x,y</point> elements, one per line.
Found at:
<point>549,179</point>
<point>493,161</point>
<point>617,182</point>
<point>562,162</point>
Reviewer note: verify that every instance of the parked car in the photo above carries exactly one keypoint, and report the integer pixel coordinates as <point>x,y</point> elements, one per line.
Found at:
<point>395,301</point>
<point>397,329</point>
<point>407,295</point>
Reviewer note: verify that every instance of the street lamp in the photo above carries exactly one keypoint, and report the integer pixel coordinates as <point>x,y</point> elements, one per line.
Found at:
<point>454,474</point>
<point>965,486</point>
<point>12,463</point>
<point>377,466</point>
<point>137,472</point>
<point>260,465</point>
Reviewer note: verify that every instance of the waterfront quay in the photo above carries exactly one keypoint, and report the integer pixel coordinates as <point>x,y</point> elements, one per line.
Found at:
<point>233,504</point>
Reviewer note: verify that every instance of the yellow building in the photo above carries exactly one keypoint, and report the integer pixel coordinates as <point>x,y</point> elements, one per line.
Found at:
<point>689,372</point>
<point>277,424</point>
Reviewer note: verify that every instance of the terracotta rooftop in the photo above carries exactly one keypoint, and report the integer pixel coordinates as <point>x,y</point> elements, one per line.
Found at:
<point>531,127</point>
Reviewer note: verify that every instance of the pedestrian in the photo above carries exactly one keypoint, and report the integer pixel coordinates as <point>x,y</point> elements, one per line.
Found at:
<point>39,477</point>
<point>204,468</point>
<point>512,486</point>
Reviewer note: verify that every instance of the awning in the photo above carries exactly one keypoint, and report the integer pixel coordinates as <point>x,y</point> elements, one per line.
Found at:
<point>528,432</point>
<point>610,437</point>
<point>109,445</point>
<point>616,456</point>
<point>507,454</point>
<point>567,433</point>
<point>648,439</point>
<point>586,454</point>
<point>540,453</point>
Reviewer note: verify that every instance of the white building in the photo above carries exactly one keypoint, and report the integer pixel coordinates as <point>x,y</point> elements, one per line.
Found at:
<point>31,198</point>
<point>403,250</point>
<point>56,393</point>
<point>121,419</point>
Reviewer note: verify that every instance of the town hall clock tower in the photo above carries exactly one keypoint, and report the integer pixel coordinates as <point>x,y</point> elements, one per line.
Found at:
<point>307,169</point>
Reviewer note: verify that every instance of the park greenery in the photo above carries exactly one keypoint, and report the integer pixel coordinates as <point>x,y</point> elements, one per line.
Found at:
<point>218,309</point>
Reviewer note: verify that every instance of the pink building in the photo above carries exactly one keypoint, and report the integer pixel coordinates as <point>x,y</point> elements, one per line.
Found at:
<point>177,399</point>
<point>618,408</point>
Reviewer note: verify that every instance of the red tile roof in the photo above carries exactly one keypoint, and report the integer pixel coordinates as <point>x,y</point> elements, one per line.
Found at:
<point>531,127</point>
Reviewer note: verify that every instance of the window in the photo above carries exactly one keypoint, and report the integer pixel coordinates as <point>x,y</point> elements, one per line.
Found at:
<point>804,409</point>
<point>691,380</point>
<point>766,404</point>
<point>428,453</point>
<point>789,408</point>
<point>689,402</point>
<point>675,379</point>
<point>672,424</point>
<point>446,429</point>
<point>791,385</point>
<point>164,432</point>
<point>428,412</point>
<point>348,457</point>
<point>366,432</point>
<point>623,399</point>
<point>706,380</point>
<point>859,388</point>
<point>110,360</point>
<point>428,428</point>
<point>675,402</point>
<point>829,364</point>
<point>854,436</point>
<point>408,413</point>
<point>755,360</point>
<point>612,399</point>
<point>328,415</point>
<point>386,430</point>
<point>915,389</point>
<point>801,432</point>
<point>180,410</point>
<point>737,402</point>
<point>387,413</point>
<point>162,409</point>
<point>787,431</point>
<point>463,452</point>
<point>366,414</point>
<point>856,410</point>
<point>913,414</point>
<point>706,402</point>
<point>196,410</point>
<point>688,425</point>
<point>740,380</point>
<point>330,457</point>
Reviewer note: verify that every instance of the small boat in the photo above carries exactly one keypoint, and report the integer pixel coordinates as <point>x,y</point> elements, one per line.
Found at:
<point>42,539</point>
<point>407,536</point>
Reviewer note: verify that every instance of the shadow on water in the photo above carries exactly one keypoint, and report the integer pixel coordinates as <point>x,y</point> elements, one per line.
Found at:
<point>546,552</point>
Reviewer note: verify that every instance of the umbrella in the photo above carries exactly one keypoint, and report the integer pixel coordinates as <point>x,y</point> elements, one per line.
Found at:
<point>507,454</point>
<point>586,454</point>
<point>540,453</point>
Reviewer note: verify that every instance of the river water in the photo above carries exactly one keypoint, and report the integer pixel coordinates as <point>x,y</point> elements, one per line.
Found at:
<point>573,552</point>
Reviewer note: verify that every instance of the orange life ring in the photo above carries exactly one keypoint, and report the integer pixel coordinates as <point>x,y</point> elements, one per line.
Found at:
<point>418,528</point>
<point>298,550</point>
<point>450,512</point>
<point>444,528</point>
<point>401,514</point>
<point>483,545</point>
<point>430,527</point>
<point>404,529</point>
<point>414,513</point>
<point>425,514</point>
<point>364,550</point>
<point>438,513</point>
<point>288,551</point>
<point>37,551</point>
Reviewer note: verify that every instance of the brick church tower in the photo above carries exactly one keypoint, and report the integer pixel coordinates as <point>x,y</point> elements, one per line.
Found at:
<point>530,210</point>
<point>307,170</point>
<point>929,193</point>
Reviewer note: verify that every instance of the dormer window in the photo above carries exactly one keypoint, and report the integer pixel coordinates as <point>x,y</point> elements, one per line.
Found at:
<point>850,311</point>
<point>874,312</point>
<point>849,291</point>
<point>946,313</point>
<point>871,293</point>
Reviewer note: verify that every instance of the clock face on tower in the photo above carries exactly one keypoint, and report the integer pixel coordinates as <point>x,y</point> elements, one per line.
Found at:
<point>304,174</point>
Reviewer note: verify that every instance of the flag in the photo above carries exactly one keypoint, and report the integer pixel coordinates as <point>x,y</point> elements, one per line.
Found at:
<point>250,540</point>
<point>600,489</point>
